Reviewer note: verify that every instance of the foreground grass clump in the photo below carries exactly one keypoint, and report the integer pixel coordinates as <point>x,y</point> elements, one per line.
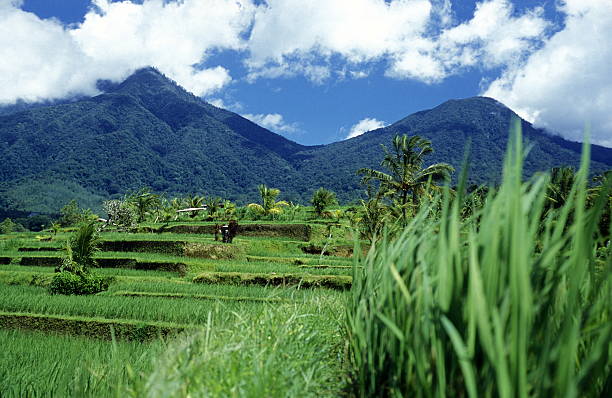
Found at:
<point>284,353</point>
<point>510,302</point>
<point>36,364</point>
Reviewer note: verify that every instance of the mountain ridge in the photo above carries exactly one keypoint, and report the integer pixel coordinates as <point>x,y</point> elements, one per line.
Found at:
<point>149,131</point>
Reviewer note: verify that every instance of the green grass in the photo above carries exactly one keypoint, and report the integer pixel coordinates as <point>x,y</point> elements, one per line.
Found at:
<point>34,299</point>
<point>276,267</point>
<point>278,350</point>
<point>99,328</point>
<point>101,271</point>
<point>253,291</point>
<point>285,352</point>
<point>38,364</point>
<point>508,303</point>
<point>196,296</point>
<point>303,280</point>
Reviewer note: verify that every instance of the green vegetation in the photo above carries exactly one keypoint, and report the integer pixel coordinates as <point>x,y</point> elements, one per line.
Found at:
<point>244,326</point>
<point>303,280</point>
<point>421,289</point>
<point>269,207</point>
<point>75,275</point>
<point>321,200</point>
<point>507,302</point>
<point>147,132</point>
<point>408,181</point>
<point>36,363</point>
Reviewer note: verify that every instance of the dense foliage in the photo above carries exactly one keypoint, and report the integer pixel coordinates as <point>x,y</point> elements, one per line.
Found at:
<point>503,300</point>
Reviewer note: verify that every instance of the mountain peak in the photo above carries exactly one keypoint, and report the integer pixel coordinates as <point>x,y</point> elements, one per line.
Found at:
<point>146,77</point>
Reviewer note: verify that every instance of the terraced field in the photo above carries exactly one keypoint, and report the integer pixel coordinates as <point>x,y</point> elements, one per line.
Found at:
<point>259,317</point>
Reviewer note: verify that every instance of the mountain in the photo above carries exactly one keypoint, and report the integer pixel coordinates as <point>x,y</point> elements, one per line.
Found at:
<point>484,122</point>
<point>148,131</point>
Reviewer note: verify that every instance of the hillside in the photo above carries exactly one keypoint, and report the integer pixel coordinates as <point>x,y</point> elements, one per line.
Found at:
<point>484,122</point>
<point>148,131</point>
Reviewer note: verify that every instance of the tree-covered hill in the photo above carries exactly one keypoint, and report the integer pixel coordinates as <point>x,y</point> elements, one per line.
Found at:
<point>482,122</point>
<point>148,131</point>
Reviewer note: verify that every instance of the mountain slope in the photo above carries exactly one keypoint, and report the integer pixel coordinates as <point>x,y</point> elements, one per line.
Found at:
<point>148,131</point>
<point>483,122</point>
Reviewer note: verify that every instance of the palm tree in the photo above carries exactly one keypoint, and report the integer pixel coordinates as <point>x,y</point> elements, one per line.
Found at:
<point>143,201</point>
<point>408,179</point>
<point>81,248</point>
<point>269,205</point>
<point>321,199</point>
<point>193,202</point>
<point>560,186</point>
<point>213,205</point>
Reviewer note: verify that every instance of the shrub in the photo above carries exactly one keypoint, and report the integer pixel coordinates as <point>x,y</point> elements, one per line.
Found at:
<point>83,245</point>
<point>74,276</point>
<point>7,226</point>
<point>72,214</point>
<point>120,213</point>
<point>69,283</point>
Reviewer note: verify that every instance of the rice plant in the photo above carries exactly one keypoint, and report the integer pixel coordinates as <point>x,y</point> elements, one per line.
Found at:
<point>510,302</point>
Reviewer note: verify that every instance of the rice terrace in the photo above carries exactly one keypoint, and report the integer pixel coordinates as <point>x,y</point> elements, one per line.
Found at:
<point>201,198</point>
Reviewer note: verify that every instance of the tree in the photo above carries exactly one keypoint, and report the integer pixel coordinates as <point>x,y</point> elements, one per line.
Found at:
<point>269,206</point>
<point>322,199</point>
<point>7,226</point>
<point>371,218</point>
<point>143,201</point>
<point>71,214</point>
<point>120,213</point>
<point>408,179</point>
<point>193,201</point>
<point>81,249</point>
<point>229,209</point>
<point>74,275</point>
<point>213,205</point>
<point>560,186</point>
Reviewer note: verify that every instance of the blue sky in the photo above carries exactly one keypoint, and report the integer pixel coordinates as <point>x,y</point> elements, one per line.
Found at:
<point>318,71</point>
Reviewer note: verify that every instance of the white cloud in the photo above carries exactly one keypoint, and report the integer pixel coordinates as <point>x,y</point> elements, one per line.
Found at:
<point>39,60</point>
<point>364,125</point>
<point>567,82</point>
<point>48,60</point>
<point>317,39</point>
<point>414,37</point>
<point>273,122</point>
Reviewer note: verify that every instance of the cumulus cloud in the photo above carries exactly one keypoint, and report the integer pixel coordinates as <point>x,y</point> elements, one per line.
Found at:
<point>317,39</point>
<point>364,125</point>
<point>273,122</point>
<point>414,37</point>
<point>567,82</point>
<point>48,60</point>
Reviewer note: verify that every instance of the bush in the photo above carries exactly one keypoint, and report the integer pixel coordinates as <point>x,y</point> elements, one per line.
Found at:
<point>7,226</point>
<point>70,283</point>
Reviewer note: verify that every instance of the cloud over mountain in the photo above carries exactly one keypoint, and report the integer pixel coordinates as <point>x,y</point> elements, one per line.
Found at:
<point>556,76</point>
<point>567,83</point>
<point>47,60</point>
<point>364,125</point>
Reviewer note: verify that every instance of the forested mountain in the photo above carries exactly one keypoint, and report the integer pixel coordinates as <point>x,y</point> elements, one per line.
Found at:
<point>148,131</point>
<point>483,122</point>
